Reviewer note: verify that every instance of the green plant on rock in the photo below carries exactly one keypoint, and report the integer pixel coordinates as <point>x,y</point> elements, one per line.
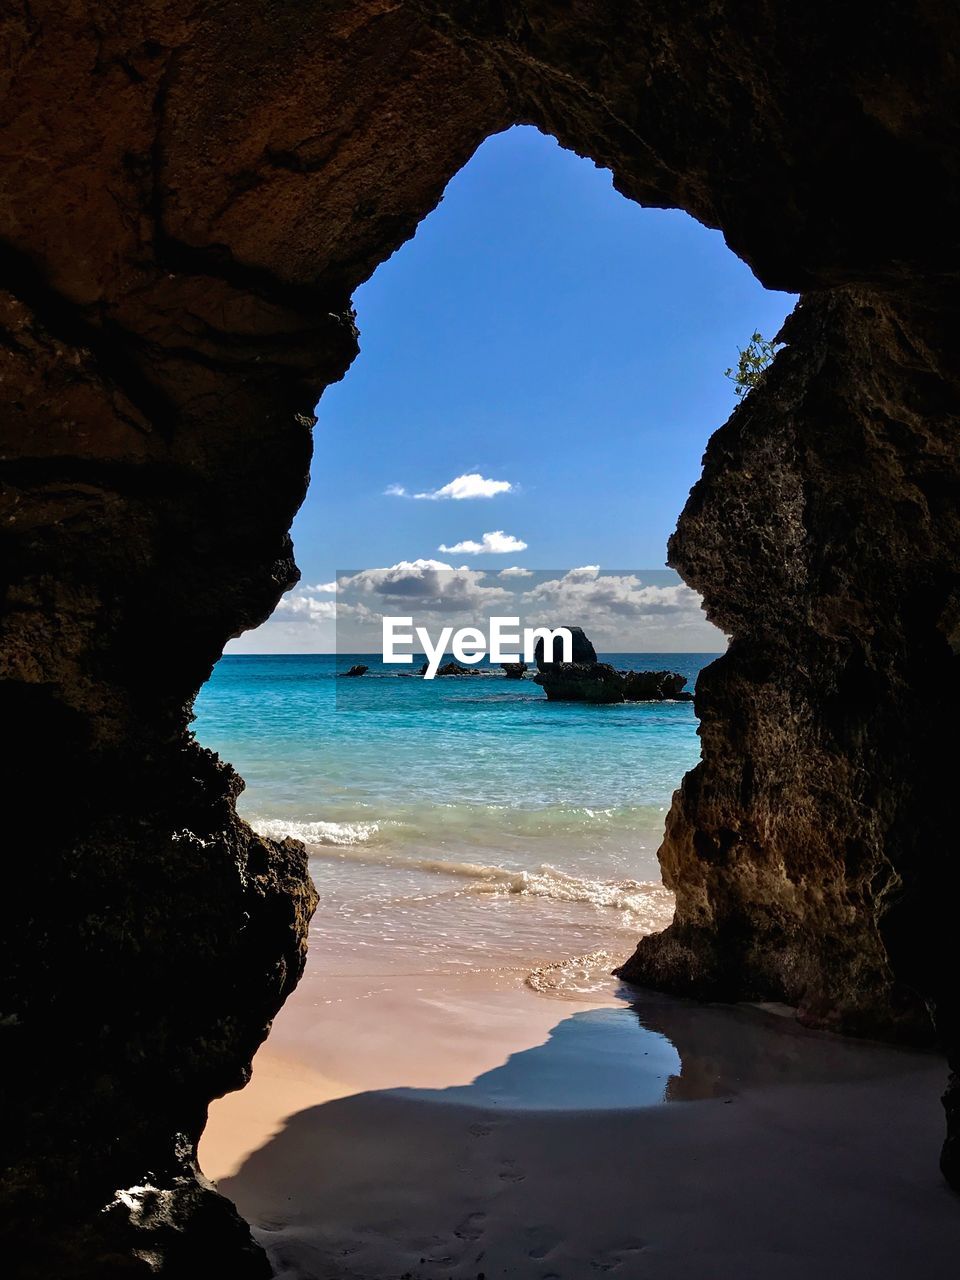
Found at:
<point>754,360</point>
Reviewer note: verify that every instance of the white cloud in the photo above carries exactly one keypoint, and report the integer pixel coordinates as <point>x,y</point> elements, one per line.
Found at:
<point>305,607</point>
<point>623,595</point>
<point>370,579</point>
<point>624,613</point>
<point>469,485</point>
<point>495,543</point>
<point>431,585</point>
<point>620,612</point>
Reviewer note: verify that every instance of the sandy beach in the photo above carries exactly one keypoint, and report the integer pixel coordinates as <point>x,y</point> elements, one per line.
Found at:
<point>467,1126</point>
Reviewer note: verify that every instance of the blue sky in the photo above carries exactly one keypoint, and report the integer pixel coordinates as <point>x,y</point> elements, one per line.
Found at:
<point>540,331</point>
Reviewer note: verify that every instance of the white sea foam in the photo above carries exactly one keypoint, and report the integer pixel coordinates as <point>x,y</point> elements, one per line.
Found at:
<point>649,905</point>
<point>321,833</point>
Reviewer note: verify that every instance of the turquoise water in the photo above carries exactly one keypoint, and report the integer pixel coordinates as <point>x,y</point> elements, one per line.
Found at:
<point>464,807</point>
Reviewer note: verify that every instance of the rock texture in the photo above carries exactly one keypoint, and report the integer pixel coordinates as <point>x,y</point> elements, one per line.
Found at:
<point>806,847</point>
<point>190,195</point>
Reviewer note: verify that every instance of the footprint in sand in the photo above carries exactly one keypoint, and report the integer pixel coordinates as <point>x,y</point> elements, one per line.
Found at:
<point>618,1255</point>
<point>472,1227</point>
<point>509,1174</point>
<point>542,1242</point>
<point>268,1224</point>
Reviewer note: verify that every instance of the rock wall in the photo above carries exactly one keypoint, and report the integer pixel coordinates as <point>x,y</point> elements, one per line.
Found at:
<point>810,848</point>
<point>190,194</point>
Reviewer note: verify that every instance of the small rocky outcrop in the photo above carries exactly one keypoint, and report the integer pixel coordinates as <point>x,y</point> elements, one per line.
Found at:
<point>586,679</point>
<point>358,669</point>
<point>580,682</point>
<point>514,670</point>
<point>654,686</point>
<point>451,669</point>
<point>582,652</point>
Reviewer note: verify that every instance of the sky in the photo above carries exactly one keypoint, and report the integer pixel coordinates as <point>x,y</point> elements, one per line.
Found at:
<point>650,611</point>
<point>540,369</point>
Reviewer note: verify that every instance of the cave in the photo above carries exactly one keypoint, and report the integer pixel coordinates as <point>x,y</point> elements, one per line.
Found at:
<point>191,197</point>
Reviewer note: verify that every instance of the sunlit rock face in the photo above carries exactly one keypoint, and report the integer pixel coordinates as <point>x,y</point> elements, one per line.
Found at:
<point>191,194</point>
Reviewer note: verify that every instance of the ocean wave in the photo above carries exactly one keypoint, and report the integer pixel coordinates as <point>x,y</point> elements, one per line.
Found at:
<point>487,827</point>
<point>336,834</point>
<point>644,902</point>
<point>649,905</point>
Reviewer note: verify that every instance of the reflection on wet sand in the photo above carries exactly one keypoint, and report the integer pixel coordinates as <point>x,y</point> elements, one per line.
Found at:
<point>654,1049</point>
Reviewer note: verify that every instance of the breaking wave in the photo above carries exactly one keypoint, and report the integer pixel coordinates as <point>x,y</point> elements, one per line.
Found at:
<point>336,834</point>
<point>648,904</point>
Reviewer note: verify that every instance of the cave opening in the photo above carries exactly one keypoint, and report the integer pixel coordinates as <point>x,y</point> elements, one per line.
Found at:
<point>542,353</point>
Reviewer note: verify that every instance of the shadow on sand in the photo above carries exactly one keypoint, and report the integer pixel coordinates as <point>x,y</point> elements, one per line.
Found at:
<point>792,1155</point>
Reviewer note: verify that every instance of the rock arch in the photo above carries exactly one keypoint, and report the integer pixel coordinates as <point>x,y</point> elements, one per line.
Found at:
<point>191,194</point>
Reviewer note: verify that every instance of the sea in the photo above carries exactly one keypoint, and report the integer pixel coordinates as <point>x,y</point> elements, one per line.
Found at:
<point>463,822</point>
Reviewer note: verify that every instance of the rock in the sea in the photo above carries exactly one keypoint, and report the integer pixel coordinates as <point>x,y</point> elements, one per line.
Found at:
<point>514,670</point>
<point>451,669</point>
<point>580,682</point>
<point>655,686</point>
<point>582,651</point>
<point>357,670</point>
<point>585,679</point>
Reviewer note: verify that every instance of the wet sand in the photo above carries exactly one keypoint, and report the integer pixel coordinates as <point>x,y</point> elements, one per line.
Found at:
<point>470,1126</point>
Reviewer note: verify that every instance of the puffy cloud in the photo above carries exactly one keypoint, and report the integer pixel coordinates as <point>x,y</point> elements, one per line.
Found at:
<point>495,543</point>
<point>304,610</point>
<point>323,588</point>
<point>515,572</point>
<point>470,485</point>
<point>584,593</point>
<point>431,585</point>
<point>306,607</point>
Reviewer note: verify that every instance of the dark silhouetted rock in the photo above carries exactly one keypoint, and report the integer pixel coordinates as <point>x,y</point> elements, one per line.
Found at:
<point>358,670</point>
<point>451,669</point>
<point>588,680</point>
<point>655,686</point>
<point>514,670</point>
<point>582,651</point>
<point>580,682</point>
